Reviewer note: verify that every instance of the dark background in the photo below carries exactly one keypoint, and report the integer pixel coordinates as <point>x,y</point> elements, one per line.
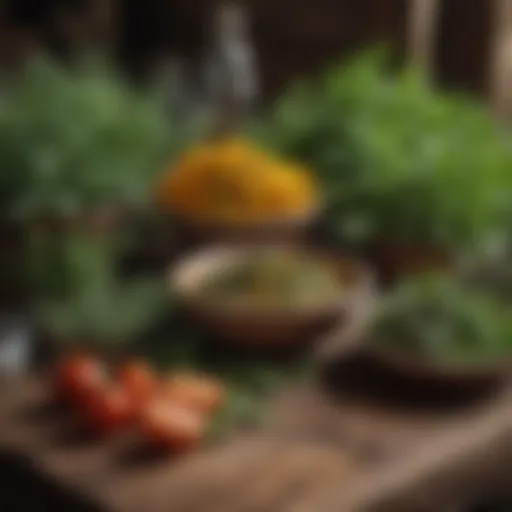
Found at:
<point>292,37</point>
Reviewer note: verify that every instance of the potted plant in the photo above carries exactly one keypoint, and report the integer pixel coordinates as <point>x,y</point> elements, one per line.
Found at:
<point>414,174</point>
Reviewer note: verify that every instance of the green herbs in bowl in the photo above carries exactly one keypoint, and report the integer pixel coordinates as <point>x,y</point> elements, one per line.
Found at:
<point>438,327</point>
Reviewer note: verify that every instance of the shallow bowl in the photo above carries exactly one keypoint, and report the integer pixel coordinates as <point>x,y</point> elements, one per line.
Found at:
<point>257,325</point>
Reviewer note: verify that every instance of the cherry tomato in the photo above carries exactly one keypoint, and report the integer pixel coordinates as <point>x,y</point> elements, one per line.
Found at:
<point>109,411</point>
<point>78,377</point>
<point>200,393</point>
<point>138,380</point>
<point>170,425</point>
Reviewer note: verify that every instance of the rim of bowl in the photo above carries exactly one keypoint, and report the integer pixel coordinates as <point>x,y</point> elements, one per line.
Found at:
<point>306,216</point>
<point>203,262</point>
<point>441,369</point>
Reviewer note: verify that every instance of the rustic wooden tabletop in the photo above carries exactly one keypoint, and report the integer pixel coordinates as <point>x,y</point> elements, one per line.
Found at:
<point>321,451</point>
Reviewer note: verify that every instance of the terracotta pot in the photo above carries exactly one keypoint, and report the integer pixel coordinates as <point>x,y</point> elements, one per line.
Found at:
<point>262,327</point>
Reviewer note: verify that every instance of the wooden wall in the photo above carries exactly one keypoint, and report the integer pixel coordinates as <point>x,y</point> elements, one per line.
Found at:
<point>463,50</point>
<point>292,37</point>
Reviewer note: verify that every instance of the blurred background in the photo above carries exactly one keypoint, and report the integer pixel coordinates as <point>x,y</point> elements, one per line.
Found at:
<point>408,177</point>
<point>291,38</point>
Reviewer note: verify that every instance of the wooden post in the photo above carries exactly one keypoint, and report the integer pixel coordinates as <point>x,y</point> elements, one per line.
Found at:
<point>500,86</point>
<point>422,32</point>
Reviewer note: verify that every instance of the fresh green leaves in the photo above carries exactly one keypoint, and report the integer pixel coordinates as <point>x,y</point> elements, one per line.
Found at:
<point>93,304</point>
<point>440,318</point>
<point>398,159</point>
<point>78,138</point>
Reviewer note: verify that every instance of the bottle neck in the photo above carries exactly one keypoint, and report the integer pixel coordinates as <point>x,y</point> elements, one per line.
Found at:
<point>232,74</point>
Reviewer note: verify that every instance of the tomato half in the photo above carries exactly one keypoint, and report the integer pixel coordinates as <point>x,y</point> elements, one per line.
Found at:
<point>197,392</point>
<point>137,378</point>
<point>172,426</point>
<point>78,377</point>
<point>109,411</point>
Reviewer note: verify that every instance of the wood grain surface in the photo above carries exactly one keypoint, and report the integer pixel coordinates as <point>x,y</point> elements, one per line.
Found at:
<point>320,452</point>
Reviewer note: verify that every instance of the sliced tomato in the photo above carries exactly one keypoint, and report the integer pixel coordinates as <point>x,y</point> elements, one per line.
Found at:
<point>198,392</point>
<point>139,381</point>
<point>109,411</point>
<point>78,377</point>
<point>171,425</point>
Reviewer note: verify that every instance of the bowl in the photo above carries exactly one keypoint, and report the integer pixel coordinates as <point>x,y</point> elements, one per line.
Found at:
<point>257,325</point>
<point>283,228</point>
<point>439,377</point>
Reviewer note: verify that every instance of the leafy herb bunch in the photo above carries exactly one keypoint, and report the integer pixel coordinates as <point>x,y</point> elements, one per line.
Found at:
<point>441,318</point>
<point>90,302</point>
<point>398,159</point>
<point>77,139</point>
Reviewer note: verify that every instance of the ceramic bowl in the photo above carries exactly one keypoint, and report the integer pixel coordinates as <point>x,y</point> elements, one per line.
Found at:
<point>262,326</point>
<point>449,377</point>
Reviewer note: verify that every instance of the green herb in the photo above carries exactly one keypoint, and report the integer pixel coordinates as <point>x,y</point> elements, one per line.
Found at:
<point>398,159</point>
<point>78,139</point>
<point>440,318</point>
<point>243,409</point>
<point>251,379</point>
<point>93,304</point>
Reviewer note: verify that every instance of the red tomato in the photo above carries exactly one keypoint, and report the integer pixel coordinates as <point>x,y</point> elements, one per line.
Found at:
<point>172,426</point>
<point>78,377</point>
<point>138,380</point>
<point>109,411</point>
<point>201,393</point>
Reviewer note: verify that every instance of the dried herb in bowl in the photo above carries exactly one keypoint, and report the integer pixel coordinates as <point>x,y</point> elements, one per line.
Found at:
<point>276,278</point>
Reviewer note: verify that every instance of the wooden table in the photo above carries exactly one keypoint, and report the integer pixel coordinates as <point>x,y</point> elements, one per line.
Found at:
<point>319,452</point>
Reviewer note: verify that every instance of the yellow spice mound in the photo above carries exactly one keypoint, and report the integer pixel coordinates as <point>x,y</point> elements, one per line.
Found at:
<point>233,181</point>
